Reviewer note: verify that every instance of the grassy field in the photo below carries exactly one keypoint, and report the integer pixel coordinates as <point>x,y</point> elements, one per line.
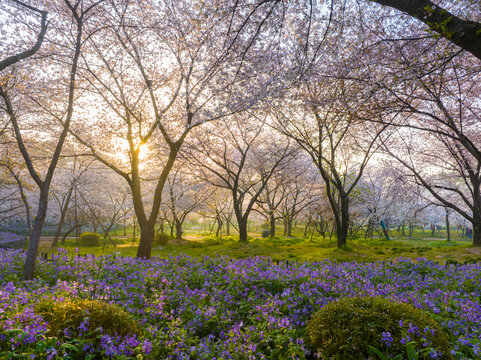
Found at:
<point>425,245</point>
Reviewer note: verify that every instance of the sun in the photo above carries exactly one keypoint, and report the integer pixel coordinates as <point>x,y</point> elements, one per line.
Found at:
<point>120,150</point>
<point>143,152</point>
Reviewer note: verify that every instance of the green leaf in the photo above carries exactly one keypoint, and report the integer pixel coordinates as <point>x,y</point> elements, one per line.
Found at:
<point>377,352</point>
<point>70,347</point>
<point>411,352</point>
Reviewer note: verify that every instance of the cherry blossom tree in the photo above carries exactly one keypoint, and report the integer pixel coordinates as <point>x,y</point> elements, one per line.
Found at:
<point>158,70</point>
<point>325,123</point>
<point>185,194</point>
<point>20,105</point>
<point>457,22</point>
<point>241,159</point>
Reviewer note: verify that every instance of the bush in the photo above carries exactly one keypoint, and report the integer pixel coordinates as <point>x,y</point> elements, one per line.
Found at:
<point>266,226</point>
<point>80,317</point>
<point>161,238</point>
<point>89,239</point>
<point>346,328</point>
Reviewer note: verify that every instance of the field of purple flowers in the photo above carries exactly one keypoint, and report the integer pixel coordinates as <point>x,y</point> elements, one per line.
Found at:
<point>222,308</point>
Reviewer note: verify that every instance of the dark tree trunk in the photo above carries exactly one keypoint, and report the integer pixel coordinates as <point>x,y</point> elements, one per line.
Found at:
<point>464,33</point>
<point>178,229</point>
<point>67,234</point>
<point>477,214</point>
<point>289,228</point>
<point>63,212</point>
<point>227,227</point>
<point>448,229</point>
<point>403,233</point>
<point>306,228</point>
<point>273,225</point>
<point>219,226</point>
<point>35,235</point>
<point>342,223</point>
<point>342,232</point>
<point>332,231</point>
<point>477,231</point>
<point>146,239</point>
<point>243,231</point>
<point>59,230</point>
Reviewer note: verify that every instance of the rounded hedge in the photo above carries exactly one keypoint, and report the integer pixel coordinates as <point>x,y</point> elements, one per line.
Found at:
<point>79,317</point>
<point>89,239</point>
<point>345,329</point>
<point>161,238</point>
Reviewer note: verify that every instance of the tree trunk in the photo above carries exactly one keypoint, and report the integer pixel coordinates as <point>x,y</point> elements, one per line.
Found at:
<point>146,239</point>
<point>342,232</point>
<point>242,230</point>
<point>227,227</point>
<point>342,228</point>
<point>403,233</point>
<point>289,227</point>
<point>464,33</point>
<point>273,224</point>
<point>306,228</point>
<point>219,226</point>
<point>35,235</point>
<point>411,230</point>
<point>67,234</point>
<point>477,231</point>
<point>178,230</point>
<point>59,229</point>
<point>448,230</point>
<point>125,229</point>
<point>63,212</point>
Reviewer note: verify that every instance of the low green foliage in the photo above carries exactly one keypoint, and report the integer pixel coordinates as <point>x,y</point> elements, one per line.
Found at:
<point>346,329</point>
<point>67,318</point>
<point>161,238</point>
<point>89,239</point>
<point>308,248</point>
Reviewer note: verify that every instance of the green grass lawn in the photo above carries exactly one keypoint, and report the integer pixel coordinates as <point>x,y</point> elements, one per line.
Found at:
<point>296,248</point>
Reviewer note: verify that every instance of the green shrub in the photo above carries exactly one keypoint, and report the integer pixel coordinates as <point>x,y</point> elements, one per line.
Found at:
<point>266,226</point>
<point>67,317</point>
<point>161,238</point>
<point>89,239</point>
<point>346,328</point>
<point>134,239</point>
